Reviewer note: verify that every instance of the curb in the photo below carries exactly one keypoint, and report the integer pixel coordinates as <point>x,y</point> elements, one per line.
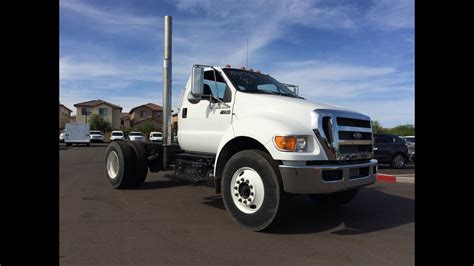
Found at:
<point>395,179</point>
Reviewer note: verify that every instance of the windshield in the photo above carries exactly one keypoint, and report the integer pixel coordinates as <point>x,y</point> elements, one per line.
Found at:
<point>135,134</point>
<point>252,82</point>
<point>410,139</point>
<point>117,134</point>
<point>156,135</point>
<point>96,132</point>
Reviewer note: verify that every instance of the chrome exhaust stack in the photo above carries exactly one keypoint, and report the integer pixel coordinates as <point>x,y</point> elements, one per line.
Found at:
<point>167,89</point>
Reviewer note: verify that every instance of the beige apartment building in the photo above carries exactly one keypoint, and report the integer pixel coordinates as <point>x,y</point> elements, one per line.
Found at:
<point>64,116</point>
<point>146,112</point>
<point>110,112</point>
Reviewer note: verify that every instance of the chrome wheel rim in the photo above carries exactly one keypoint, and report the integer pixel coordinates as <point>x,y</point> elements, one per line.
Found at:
<point>399,161</point>
<point>247,190</point>
<point>112,164</point>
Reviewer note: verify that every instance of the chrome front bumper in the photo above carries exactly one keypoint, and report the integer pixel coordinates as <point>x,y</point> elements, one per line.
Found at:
<point>309,179</point>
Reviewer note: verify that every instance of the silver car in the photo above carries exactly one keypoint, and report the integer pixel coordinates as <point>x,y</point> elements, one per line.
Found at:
<point>136,136</point>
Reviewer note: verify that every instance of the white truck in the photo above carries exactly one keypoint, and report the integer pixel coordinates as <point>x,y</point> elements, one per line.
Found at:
<point>256,142</point>
<point>77,133</point>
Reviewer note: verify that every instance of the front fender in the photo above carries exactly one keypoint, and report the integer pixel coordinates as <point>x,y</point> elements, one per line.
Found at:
<point>263,129</point>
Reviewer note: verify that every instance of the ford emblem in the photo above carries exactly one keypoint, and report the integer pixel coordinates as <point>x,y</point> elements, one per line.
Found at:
<point>357,135</point>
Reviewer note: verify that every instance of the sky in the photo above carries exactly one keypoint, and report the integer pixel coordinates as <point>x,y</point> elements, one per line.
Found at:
<point>357,54</point>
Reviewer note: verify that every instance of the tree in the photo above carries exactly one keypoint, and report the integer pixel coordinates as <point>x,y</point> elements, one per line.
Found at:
<point>97,122</point>
<point>147,127</point>
<point>377,127</point>
<point>403,130</point>
<point>126,131</point>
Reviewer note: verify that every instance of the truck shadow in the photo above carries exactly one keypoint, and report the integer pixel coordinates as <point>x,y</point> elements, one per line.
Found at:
<point>372,210</point>
<point>159,184</point>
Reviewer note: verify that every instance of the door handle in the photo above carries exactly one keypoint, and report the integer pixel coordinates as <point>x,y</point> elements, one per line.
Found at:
<point>185,113</point>
<point>225,112</point>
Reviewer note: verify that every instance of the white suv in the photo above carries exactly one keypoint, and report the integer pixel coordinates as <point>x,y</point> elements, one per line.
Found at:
<point>117,135</point>
<point>96,136</point>
<point>135,136</point>
<point>156,136</point>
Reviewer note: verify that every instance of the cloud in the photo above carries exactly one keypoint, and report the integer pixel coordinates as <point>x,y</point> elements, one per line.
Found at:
<point>392,14</point>
<point>89,69</point>
<point>106,67</point>
<point>320,79</point>
<point>115,19</point>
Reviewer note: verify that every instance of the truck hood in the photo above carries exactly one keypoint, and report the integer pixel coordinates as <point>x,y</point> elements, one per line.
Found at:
<point>294,105</point>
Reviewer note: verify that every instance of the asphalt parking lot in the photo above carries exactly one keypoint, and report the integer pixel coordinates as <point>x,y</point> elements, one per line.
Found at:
<point>173,222</point>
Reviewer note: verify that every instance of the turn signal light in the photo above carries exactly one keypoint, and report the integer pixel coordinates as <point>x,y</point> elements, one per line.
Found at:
<point>285,143</point>
<point>291,143</point>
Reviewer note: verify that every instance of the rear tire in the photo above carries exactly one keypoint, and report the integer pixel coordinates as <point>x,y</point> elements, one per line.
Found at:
<point>334,199</point>
<point>398,161</point>
<point>258,201</point>
<point>120,165</point>
<point>141,170</point>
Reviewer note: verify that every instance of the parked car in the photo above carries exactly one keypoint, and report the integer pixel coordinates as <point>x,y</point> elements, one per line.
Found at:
<point>117,135</point>
<point>156,136</point>
<point>61,137</point>
<point>136,136</point>
<point>410,140</point>
<point>96,136</point>
<point>391,149</point>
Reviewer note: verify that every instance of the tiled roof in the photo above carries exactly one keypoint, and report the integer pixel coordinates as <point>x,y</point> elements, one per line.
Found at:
<point>152,106</point>
<point>65,107</point>
<point>94,103</point>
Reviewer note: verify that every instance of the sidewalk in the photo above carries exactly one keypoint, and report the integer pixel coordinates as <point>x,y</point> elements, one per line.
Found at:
<point>401,178</point>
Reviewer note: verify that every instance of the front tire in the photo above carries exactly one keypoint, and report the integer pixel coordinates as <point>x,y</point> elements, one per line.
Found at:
<point>120,165</point>
<point>252,190</point>
<point>334,199</point>
<point>398,161</point>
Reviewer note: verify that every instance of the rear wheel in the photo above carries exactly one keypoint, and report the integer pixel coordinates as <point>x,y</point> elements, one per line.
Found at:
<point>252,190</point>
<point>334,199</point>
<point>120,165</point>
<point>141,170</point>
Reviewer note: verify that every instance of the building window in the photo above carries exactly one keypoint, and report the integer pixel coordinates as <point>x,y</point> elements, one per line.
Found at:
<point>143,113</point>
<point>121,122</point>
<point>86,111</point>
<point>103,111</point>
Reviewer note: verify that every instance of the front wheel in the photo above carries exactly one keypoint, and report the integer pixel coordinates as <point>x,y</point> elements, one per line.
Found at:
<point>398,161</point>
<point>252,190</point>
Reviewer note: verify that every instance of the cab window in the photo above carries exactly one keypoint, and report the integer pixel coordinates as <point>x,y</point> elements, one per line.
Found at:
<point>216,87</point>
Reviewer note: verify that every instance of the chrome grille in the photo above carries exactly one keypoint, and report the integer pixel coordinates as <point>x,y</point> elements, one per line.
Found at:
<point>344,135</point>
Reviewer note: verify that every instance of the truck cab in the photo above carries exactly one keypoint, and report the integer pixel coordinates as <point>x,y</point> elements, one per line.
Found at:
<point>257,143</point>
<point>319,148</point>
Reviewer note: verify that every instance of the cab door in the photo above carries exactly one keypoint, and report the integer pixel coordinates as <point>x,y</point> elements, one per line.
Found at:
<point>202,125</point>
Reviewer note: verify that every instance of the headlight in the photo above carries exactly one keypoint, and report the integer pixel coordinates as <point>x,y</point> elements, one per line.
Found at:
<point>290,143</point>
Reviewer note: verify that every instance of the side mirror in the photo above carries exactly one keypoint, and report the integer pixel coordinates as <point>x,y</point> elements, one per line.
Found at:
<point>197,80</point>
